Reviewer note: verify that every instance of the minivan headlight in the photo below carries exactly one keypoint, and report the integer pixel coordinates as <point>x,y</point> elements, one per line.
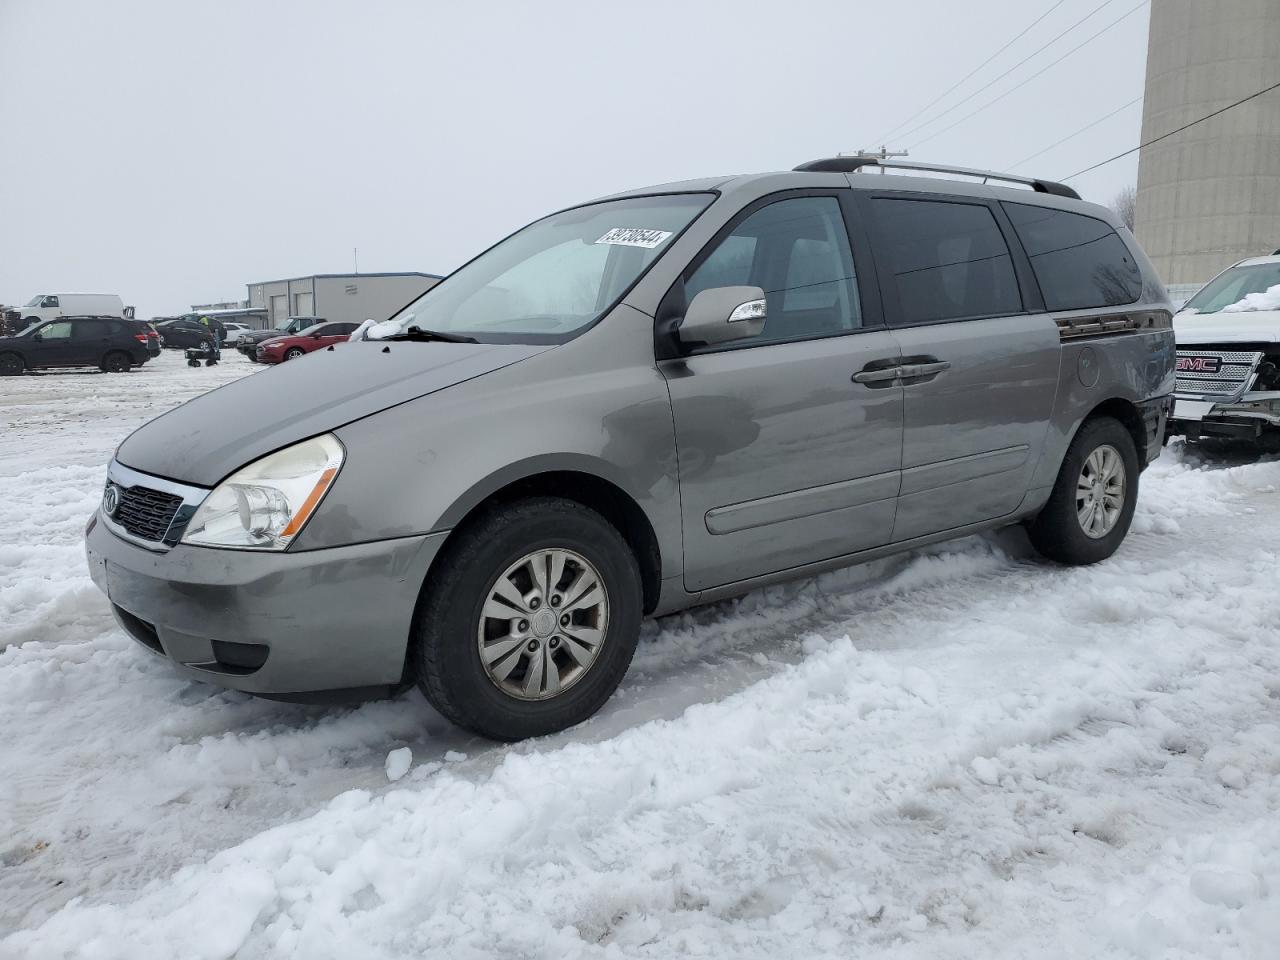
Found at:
<point>265,505</point>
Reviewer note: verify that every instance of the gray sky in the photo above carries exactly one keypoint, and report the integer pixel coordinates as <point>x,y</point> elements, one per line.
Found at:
<point>172,152</point>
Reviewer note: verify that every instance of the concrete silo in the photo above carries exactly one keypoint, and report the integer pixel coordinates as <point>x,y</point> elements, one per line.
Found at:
<point>1210,195</point>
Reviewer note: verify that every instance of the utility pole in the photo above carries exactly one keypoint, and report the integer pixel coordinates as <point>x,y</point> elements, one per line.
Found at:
<point>881,154</point>
<point>355,258</point>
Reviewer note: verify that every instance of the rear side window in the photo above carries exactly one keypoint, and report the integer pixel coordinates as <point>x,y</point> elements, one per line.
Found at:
<point>948,261</point>
<point>1079,261</point>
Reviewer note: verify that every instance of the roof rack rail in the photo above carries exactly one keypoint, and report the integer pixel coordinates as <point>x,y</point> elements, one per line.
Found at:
<point>853,164</point>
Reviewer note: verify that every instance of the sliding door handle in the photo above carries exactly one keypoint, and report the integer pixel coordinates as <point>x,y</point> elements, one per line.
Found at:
<point>927,369</point>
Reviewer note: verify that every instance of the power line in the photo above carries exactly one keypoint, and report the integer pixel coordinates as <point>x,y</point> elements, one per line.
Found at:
<point>991,83</point>
<point>1165,136</point>
<point>959,83</point>
<point>1088,126</point>
<point>1023,83</point>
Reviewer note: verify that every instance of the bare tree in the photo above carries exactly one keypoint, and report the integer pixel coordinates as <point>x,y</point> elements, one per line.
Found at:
<point>1125,205</point>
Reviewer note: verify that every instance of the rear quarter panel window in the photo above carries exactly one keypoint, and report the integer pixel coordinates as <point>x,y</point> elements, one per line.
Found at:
<point>947,261</point>
<point>1079,261</point>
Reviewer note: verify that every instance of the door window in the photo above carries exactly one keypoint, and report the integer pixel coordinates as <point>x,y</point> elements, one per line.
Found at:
<point>797,251</point>
<point>49,301</point>
<point>57,331</point>
<point>1079,261</point>
<point>948,261</point>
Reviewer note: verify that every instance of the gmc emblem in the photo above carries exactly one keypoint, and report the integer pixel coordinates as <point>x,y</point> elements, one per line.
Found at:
<point>1199,364</point>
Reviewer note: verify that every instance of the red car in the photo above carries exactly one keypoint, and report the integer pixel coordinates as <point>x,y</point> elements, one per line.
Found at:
<point>280,349</point>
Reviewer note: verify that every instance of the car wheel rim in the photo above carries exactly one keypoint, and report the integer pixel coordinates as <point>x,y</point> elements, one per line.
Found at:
<point>1100,492</point>
<point>543,624</point>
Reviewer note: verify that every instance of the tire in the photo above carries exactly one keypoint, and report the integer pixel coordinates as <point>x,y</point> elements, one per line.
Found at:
<point>293,353</point>
<point>445,646</point>
<point>116,362</point>
<point>11,365</point>
<point>1058,532</point>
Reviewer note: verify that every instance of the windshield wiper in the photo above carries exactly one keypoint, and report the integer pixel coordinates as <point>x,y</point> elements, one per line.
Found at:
<point>417,333</point>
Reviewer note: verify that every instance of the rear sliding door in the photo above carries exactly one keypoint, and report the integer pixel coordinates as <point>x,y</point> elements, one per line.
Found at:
<point>979,355</point>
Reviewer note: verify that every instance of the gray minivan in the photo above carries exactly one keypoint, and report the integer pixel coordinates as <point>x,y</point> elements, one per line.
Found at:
<point>646,402</point>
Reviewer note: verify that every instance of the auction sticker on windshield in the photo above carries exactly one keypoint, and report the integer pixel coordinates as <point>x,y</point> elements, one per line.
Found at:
<point>635,237</point>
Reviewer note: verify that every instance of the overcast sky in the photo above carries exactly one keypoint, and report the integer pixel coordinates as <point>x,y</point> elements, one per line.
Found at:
<point>172,152</point>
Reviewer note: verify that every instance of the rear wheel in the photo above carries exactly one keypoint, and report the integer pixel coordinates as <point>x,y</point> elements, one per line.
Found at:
<point>116,362</point>
<point>530,622</point>
<point>11,365</point>
<point>293,353</point>
<point>1093,499</point>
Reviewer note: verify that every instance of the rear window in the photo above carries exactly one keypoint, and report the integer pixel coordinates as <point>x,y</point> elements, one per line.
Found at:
<point>949,260</point>
<point>1080,262</point>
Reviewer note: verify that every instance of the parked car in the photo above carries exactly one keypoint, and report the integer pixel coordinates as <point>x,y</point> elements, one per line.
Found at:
<point>110,343</point>
<point>48,306</point>
<point>1229,356</point>
<point>280,349</point>
<point>655,400</point>
<point>184,332</point>
<point>232,331</point>
<point>247,343</point>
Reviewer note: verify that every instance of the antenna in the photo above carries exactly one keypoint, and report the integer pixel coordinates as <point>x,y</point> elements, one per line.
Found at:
<point>355,258</point>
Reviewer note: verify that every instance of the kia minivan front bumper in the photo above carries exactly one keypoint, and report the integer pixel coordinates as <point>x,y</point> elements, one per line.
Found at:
<point>295,625</point>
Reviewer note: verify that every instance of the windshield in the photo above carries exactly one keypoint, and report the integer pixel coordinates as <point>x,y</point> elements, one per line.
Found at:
<point>23,332</point>
<point>556,276</point>
<point>35,301</point>
<point>1232,291</point>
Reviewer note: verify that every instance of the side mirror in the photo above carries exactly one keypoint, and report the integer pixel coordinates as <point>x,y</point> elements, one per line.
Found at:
<point>37,336</point>
<point>315,336</point>
<point>722,314</point>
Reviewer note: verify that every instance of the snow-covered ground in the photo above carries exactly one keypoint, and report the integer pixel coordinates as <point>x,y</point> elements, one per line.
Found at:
<point>965,752</point>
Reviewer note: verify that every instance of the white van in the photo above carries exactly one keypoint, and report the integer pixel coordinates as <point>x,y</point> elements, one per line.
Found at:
<point>49,306</point>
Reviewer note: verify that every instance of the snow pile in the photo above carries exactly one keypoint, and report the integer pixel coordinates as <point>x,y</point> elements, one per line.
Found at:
<point>963,752</point>
<point>1268,299</point>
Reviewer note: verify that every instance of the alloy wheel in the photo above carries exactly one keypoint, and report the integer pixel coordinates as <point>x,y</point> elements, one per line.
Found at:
<point>1100,491</point>
<point>543,624</point>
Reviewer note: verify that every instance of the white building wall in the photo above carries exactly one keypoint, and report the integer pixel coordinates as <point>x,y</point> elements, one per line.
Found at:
<point>1210,195</point>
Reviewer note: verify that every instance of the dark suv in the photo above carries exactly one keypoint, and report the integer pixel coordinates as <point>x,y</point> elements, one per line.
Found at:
<point>112,344</point>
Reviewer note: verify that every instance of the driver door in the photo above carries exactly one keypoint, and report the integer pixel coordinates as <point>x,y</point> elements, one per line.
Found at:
<point>785,458</point>
<point>54,348</point>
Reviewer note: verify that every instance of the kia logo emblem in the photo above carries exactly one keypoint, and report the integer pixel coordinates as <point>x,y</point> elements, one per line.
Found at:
<point>110,499</point>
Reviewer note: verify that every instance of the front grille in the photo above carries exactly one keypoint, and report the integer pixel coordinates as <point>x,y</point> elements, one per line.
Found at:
<point>146,513</point>
<point>1228,373</point>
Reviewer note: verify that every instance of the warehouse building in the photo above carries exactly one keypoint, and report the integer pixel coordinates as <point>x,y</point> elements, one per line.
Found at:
<point>350,297</point>
<point>1210,195</point>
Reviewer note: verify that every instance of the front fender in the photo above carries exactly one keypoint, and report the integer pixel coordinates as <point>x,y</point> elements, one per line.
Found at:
<point>422,466</point>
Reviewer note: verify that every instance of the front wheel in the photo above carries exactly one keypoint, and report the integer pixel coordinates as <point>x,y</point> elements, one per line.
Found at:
<point>293,353</point>
<point>1093,499</point>
<point>529,621</point>
<point>11,365</point>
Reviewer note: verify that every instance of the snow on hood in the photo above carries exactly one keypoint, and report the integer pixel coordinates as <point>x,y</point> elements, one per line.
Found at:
<point>1254,326</point>
<point>207,438</point>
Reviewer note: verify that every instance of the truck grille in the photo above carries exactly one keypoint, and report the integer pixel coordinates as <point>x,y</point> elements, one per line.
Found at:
<point>146,513</point>
<point>1205,372</point>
